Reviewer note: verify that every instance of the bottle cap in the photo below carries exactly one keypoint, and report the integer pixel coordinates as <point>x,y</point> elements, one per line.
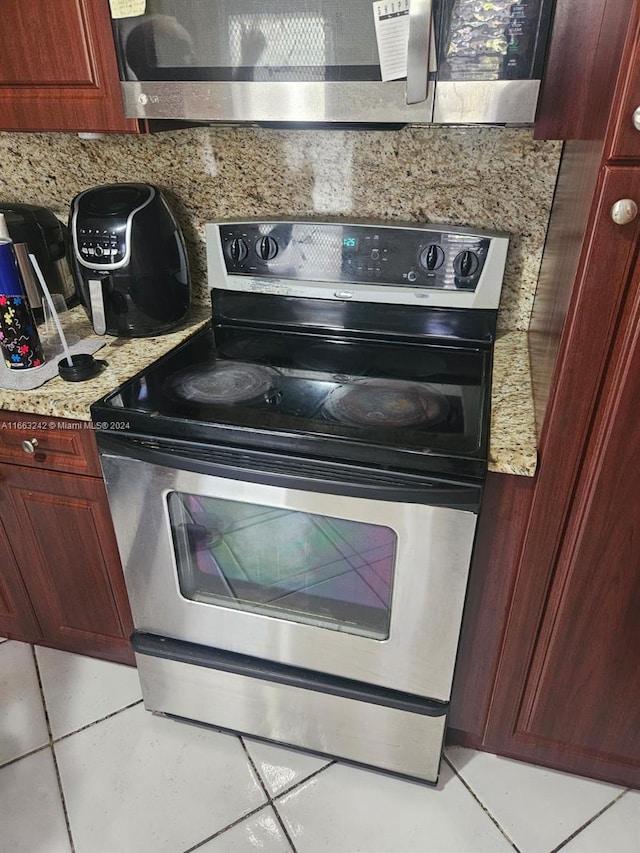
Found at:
<point>83,366</point>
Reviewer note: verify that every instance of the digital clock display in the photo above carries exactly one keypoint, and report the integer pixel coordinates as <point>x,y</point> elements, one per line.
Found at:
<point>349,243</point>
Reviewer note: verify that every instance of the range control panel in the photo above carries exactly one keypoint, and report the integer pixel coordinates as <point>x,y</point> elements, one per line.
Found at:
<point>101,244</point>
<point>411,257</point>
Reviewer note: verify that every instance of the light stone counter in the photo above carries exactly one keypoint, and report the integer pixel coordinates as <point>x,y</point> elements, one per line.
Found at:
<point>513,435</point>
<point>124,357</point>
<point>513,444</point>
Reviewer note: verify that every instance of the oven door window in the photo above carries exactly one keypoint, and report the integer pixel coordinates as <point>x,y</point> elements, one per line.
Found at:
<point>306,568</point>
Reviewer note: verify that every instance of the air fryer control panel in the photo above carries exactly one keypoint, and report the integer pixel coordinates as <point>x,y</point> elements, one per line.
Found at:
<point>354,254</point>
<point>102,220</point>
<point>100,243</point>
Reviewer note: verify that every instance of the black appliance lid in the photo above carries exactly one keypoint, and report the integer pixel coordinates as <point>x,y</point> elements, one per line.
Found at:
<point>37,226</point>
<point>114,199</point>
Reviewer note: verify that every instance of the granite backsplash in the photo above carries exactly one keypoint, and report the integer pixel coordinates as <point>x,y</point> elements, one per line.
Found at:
<point>487,178</point>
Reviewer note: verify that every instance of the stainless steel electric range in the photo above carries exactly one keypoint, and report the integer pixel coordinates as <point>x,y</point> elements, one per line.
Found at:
<point>295,489</point>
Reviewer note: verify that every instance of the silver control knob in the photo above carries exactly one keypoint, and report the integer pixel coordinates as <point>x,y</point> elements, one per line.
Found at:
<point>29,445</point>
<point>266,248</point>
<point>624,211</point>
<point>635,118</point>
<point>431,257</point>
<point>237,250</point>
<point>466,263</point>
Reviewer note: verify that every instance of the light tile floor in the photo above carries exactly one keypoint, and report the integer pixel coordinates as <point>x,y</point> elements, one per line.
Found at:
<point>84,768</point>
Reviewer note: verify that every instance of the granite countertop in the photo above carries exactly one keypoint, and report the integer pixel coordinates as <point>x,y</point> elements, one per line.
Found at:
<point>513,435</point>
<point>513,443</point>
<point>124,356</point>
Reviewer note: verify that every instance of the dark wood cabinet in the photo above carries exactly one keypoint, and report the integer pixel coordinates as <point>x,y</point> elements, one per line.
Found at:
<point>623,138</point>
<point>17,617</point>
<point>581,68</point>
<point>58,69</point>
<point>583,684</point>
<point>567,669</point>
<point>61,580</point>
<point>560,672</point>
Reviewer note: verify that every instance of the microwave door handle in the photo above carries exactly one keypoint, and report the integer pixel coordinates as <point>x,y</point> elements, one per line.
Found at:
<point>419,50</point>
<point>96,301</point>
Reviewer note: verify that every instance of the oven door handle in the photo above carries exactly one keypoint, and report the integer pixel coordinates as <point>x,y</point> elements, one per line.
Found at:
<point>277,469</point>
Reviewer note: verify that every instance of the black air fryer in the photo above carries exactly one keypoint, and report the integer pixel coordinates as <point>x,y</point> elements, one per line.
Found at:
<point>129,260</point>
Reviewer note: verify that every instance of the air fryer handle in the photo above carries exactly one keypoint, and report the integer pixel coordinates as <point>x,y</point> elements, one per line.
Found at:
<point>96,303</point>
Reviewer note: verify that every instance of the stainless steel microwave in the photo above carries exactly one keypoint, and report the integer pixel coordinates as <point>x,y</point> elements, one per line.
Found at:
<point>332,61</point>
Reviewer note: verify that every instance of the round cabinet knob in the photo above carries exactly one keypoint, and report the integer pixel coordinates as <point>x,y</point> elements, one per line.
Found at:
<point>466,264</point>
<point>624,211</point>
<point>431,257</point>
<point>635,118</point>
<point>267,248</point>
<point>29,445</point>
<point>237,250</point>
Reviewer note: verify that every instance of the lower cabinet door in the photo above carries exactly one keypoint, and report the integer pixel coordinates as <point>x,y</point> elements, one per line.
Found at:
<point>17,619</point>
<point>582,689</point>
<point>61,534</point>
<point>568,681</point>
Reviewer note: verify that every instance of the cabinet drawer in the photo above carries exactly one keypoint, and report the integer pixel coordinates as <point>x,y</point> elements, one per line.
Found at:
<point>58,445</point>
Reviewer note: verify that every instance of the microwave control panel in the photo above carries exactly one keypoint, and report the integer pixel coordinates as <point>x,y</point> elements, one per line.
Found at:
<point>427,258</point>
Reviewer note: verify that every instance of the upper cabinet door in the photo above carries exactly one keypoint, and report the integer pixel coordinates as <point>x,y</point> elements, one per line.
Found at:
<point>58,68</point>
<point>584,55</point>
<point>623,142</point>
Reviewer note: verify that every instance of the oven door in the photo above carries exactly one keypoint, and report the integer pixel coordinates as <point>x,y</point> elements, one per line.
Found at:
<point>329,568</point>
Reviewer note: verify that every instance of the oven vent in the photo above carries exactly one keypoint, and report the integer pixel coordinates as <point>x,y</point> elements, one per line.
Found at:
<point>315,475</point>
<point>276,463</point>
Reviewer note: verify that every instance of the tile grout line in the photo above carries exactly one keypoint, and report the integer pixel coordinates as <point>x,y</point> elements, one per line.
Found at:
<point>306,779</point>
<point>25,755</point>
<point>95,722</point>
<point>222,831</point>
<point>590,821</point>
<point>53,752</point>
<point>268,796</point>
<point>480,803</point>
<point>269,803</point>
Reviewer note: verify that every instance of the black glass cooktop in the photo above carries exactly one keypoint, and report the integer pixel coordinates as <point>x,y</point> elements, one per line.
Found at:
<point>375,401</point>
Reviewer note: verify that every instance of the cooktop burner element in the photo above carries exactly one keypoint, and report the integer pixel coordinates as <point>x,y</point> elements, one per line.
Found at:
<point>380,403</point>
<point>227,383</point>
